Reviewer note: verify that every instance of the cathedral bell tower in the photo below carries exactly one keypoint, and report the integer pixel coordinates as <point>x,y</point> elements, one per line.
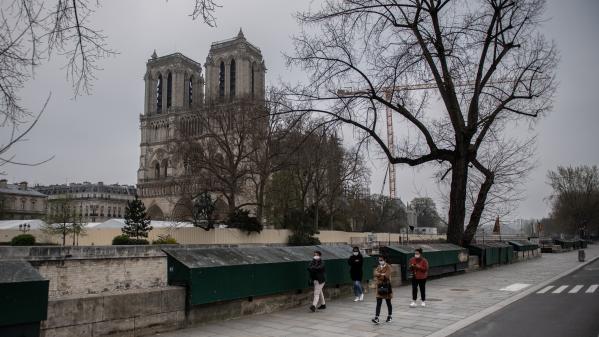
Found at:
<point>234,70</point>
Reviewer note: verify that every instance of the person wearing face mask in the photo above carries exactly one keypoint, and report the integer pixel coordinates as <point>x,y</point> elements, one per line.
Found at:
<point>317,278</point>
<point>384,290</point>
<point>356,261</point>
<point>419,267</point>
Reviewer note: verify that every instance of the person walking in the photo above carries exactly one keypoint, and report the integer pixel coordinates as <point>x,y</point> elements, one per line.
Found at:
<point>384,290</point>
<point>317,278</point>
<point>419,267</point>
<point>356,261</point>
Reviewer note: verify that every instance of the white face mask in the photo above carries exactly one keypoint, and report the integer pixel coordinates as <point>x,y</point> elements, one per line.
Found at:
<point>382,263</point>
<point>417,256</point>
<point>356,253</point>
<point>316,257</point>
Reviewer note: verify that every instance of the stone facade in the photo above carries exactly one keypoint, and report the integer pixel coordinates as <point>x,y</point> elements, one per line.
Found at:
<point>92,202</point>
<point>20,202</point>
<point>177,102</point>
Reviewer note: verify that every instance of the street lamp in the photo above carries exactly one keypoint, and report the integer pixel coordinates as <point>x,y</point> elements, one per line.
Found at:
<point>25,227</point>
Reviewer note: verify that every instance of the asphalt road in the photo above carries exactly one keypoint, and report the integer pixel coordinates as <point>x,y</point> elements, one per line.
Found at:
<point>568,307</point>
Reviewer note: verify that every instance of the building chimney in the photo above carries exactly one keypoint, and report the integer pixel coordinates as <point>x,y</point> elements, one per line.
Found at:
<point>3,183</point>
<point>23,186</point>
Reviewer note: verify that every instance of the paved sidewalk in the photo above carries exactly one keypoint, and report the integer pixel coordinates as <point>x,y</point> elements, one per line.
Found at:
<point>450,300</point>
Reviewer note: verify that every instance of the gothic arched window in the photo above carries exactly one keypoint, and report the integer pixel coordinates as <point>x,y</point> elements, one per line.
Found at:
<point>157,171</point>
<point>221,80</point>
<point>169,90</point>
<point>165,168</point>
<point>159,94</point>
<point>190,90</point>
<point>232,79</point>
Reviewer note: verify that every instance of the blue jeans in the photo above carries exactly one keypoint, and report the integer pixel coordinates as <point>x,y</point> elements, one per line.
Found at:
<point>358,290</point>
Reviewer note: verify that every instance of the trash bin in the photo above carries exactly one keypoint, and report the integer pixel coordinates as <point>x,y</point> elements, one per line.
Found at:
<point>581,255</point>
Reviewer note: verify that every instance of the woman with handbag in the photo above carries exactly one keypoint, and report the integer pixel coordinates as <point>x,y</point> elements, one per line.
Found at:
<point>384,290</point>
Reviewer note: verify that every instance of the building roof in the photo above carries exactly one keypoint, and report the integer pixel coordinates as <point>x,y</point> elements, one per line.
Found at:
<point>240,38</point>
<point>14,189</point>
<point>87,187</point>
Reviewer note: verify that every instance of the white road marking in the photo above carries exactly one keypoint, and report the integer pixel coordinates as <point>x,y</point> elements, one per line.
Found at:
<point>592,288</point>
<point>515,287</point>
<point>575,289</point>
<point>560,289</point>
<point>544,290</point>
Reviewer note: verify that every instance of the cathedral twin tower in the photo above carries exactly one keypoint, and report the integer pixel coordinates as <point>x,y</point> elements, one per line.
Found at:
<point>175,95</point>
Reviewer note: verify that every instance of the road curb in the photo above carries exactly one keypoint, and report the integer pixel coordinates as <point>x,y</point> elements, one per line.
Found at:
<point>498,306</point>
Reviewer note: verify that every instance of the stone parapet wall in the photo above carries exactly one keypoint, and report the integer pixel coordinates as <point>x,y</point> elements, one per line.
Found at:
<point>150,311</point>
<point>132,313</point>
<point>95,269</point>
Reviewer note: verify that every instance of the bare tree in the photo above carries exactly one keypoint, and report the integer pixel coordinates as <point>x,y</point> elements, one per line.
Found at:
<point>487,65</point>
<point>32,31</point>
<point>62,218</point>
<point>575,198</point>
<point>273,152</point>
<point>218,157</point>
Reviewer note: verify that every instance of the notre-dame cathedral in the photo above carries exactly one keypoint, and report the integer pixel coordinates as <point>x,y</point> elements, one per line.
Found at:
<point>176,95</point>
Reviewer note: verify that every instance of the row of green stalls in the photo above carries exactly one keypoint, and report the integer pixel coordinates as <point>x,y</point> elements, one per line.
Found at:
<point>442,258</point>
<point>23,299</point>
<point>524,248</point>
<point>492,253</point>
<point>568,244</point>
<point>221,274</point>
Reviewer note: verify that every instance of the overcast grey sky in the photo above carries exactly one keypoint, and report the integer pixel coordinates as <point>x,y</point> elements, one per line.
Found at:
<point>96,137</point>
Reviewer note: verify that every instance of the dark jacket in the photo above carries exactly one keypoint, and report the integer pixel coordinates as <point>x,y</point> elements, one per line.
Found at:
<point>317,271</point>
<point>355,267</point>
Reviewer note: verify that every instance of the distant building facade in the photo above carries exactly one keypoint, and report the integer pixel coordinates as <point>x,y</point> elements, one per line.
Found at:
<point>177,101</point>
<point>93,202</point>
<point>21,202</point>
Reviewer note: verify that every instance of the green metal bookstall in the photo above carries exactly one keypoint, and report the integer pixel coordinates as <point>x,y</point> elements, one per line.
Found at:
<point>492,253</point>
<point>442,257</point>
<point>222,274</point>
<point>23,299</point>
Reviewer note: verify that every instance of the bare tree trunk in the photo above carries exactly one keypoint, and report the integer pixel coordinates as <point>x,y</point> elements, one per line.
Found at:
<point>457,201</point>
<point>316,214</point>
<point>477,211</point>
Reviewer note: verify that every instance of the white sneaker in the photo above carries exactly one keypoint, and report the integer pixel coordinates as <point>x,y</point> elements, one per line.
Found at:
<point>413,304</point>
<point>356,299</point>
<point>361,297</point>
<point>423,304</point>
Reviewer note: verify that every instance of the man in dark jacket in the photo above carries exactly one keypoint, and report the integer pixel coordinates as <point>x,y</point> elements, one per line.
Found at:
<point>317,277</point>
<point>356,261</point>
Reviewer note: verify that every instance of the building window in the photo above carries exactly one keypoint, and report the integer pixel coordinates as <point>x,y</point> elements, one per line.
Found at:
<point>169,90</point>
<point>33,205</point>
<point>109,211</point>
<point>157,171</point>
<point>190,90</point>
<point>221,80</point>
<point>101,210</point>
<point>232,79</point>
<point>23,201</point>
<point>159,94</point>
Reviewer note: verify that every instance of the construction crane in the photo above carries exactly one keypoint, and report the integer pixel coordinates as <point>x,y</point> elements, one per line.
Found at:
<point>388,92</point>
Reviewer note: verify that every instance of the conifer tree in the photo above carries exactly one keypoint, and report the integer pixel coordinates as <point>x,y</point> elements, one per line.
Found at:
<point>137,223</point>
